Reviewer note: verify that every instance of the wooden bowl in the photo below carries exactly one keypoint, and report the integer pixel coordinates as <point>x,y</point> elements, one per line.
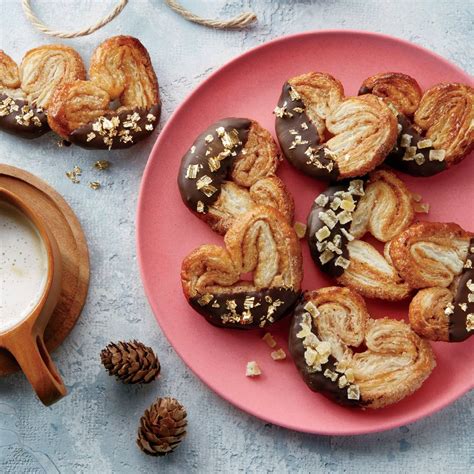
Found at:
<point>25,341</point>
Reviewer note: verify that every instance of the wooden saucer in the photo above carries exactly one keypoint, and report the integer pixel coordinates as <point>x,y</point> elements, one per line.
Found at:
<point>72,245</point>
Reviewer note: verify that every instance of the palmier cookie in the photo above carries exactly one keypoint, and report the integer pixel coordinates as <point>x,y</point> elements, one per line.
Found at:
<point>344,354</point>
<point>26,91</point>
<point>121,71</point>
<point>327,136</point>
<point>380,204</point>
<point>229,170</point>
<point>260,242</point>
<point>435,129</point>
<point>439,258</point>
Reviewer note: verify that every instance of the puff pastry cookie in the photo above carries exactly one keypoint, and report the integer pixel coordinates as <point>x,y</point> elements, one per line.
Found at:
<point>121,72</point>
<point>344,354</point>
<point>26,91</point>
<point>436,129</point>
<point>229,170</point>
<point>439,258</point>
<point>379,204</point>
<point>328,136</point>
<point>260,242</point>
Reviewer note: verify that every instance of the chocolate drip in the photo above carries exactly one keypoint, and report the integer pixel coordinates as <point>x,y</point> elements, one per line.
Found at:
<point>299,139</point>
<point>115,131</point>
<point>316,380</point>
<point>16,119</point>
<point>246,310</point>
<point>315,223</point>
<point>212,156</point>
<point>458,319</point>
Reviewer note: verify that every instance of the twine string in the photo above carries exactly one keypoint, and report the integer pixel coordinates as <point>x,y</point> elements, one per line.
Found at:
<point>240,21</point>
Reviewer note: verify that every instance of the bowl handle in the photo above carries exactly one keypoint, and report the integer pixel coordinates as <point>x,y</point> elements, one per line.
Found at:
<point>36,363</point>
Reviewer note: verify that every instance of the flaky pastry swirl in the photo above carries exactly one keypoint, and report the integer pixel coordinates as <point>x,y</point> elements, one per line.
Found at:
<point>379,204</point>
<point>343,353</point>
<point>328,136</point>
<point>120,71</point>
<point>26,92</point>
<point>436,129</point>
<point>439,259</point>
<point>229,170</point>
<point>260,242</point>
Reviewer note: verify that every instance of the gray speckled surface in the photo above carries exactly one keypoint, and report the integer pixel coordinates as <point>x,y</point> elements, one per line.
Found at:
<point>93,429</point>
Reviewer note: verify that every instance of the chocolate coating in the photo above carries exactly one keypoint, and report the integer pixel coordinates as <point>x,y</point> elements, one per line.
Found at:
<point>124,135</point>
<point>32,127</point>
<point>196,155</point>
<point>395,157</point>
<point>457,321</point>
<point>269,306</point>
<point>315,223</point>
<point>316,380</point>
<point>312,162</point>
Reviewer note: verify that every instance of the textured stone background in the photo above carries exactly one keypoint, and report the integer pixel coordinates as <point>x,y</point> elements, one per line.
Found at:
<point>93,429</point>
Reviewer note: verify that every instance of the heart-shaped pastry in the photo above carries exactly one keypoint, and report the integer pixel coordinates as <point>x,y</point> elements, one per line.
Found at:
<point>117,107</point>
<point>328,136</point>
<point>435,129</point>
<point>344,354</point>
<point>260,242</point>
<point>440,258</point>
<point>26,91</point>
<point>229,170</point>
<point>380,204</point>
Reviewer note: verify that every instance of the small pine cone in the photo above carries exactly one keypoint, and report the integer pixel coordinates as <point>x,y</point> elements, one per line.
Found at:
<point>162,427</point>
<point>131,362</point>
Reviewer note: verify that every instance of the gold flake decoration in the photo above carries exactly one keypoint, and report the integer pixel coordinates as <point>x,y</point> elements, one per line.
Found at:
<point>312,309</point>
<point>192,171</point>
<point>149,127</point>
<point>208,138</point>
<point>329,374</point>
<point>449,309</point>
<point>437,155</point>
<point>90,136</point>
<point>74,174</point>
<point>200,207</point>
<point>230,139</point>
<point>102,165</point>
<point>470,322</point>
<point>342,262</point>
<point>326,257</point>
<point>468,264</point>
<point>321,200</point>
<point>426,143</point>
<point>353,392</point>
<point>253,370</point>
<point>269,340</point>
<point>294,94</point>
<point>249,302</point>
<point>8,106</point>
<point>205,299</point>
<point>323,233</point>
<point>342,382</point>
<point>94,185</point>
<point>300,229</point>
<point>282,112</point>
<point>279,354</point>
<point>470,285</point>
<point>203,181</point>
<point>463,306</point>
<point>405,141</point>
<point>215,304</point>
<point>151,118</point>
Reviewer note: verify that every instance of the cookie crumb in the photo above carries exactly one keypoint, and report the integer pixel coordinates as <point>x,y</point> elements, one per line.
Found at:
<point>279,354</point>
<point>268,338</point>
<point>253,370</point>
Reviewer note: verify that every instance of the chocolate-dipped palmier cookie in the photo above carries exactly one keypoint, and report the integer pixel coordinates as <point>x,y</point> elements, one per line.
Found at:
<point>344,354</point>
<point>327,136</point>
<point>440,259</point>
<point>435,129</point>
<point>260,242</point>
<point>121,71</point>
<point>379,204</point>
<point>229,170</point>
<point>25,91</point>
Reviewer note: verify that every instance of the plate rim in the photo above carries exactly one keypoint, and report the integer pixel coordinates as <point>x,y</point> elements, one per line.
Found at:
<point>384,426</point>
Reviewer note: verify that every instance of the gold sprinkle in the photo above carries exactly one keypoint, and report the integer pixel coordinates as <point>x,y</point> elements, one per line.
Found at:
<point>249,302</point>
<point>149,127</point>
<point>268,338</point>
<point>312,309</point>
<point>200,207</point>
<point>192,171</point>
<point>470,322</point>
<point>203,181</point>
<point>342,262</point>
<point>150,118</point>
<point>300,229</point>
<point>94,185</point>
<point>426,143</point>
<point>437,155</point>
<point>326,257</point>
<point>321,200</point>
<point>279,354</point>
<point>470,285</point>
<point>323,233</point>
<point>208,138</point>
<point>252,370</point>
<point>468,264</point>
<point>74,174</point>
<point>463,306</point>
<point>205,299</point>
<point>449,309</point>
<point>329,374</point>
<point>405,141</point>
<point>102,165</point>
<point>353,392</point>
<point>293,94</point>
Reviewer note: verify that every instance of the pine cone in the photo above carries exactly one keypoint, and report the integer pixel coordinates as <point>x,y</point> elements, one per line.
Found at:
<point>131,362</point>
<point>162,427</point>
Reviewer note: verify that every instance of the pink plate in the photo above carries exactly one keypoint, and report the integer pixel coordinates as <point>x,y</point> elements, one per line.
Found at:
<point>249,86</point>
